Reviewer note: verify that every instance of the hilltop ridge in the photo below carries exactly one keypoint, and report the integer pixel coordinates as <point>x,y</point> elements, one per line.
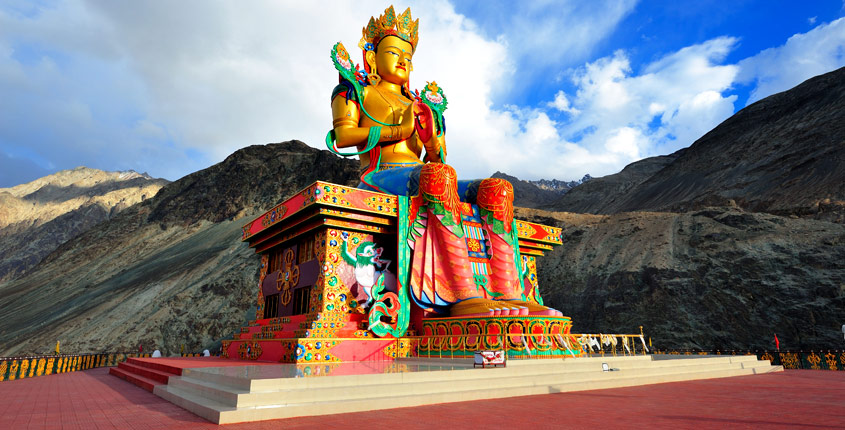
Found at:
<point>38,216</point>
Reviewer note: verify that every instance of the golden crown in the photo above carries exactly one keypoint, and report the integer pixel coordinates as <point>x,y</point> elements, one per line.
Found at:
<point>391,25</point>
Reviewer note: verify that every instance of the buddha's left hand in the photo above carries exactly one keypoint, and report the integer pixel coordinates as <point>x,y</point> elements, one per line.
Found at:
<point>425,133</point>
<point>424,121</point>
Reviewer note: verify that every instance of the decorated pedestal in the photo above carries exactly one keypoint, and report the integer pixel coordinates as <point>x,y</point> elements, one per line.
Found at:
<point>328,289</point>
<point>520,336</point>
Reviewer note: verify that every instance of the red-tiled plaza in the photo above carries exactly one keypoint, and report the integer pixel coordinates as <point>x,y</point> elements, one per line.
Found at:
<point>788,400</point>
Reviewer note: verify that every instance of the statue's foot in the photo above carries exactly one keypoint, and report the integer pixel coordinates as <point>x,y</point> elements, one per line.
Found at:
<point>479,307</point>
<point>536,309</point>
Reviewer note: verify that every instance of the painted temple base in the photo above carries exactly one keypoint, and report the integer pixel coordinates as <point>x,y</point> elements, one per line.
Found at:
<point>521,336</point>
<point>322,251</point>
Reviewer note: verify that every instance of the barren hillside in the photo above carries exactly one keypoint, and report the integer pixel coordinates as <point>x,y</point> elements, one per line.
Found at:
<point>38,216</point>
<point>167,271</point>
<point>715,278</point>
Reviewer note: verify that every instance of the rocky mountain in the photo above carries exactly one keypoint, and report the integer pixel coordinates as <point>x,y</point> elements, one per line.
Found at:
<point>600,193</point>
<point>560,187</point>
<point>783,154</point>
<point>541,193</point>
<point>170,270</point>
<point>527,194</point>
<point>38,216</point>
<point>717,278</point>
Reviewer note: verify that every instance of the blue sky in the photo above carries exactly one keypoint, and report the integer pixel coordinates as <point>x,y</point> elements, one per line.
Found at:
<point>545,89</point>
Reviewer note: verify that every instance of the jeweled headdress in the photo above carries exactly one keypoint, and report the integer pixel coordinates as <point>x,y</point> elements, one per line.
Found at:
<point>390,25</point>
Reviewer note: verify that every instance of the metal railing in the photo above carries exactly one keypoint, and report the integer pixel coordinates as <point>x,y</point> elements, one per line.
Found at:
<point>519,346</point>
<point>814,360</point>
<point>12,368</point>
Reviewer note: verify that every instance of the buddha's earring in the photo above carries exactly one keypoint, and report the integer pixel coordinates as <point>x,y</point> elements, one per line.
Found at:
<point>373,78</point>
<point>369,56</point>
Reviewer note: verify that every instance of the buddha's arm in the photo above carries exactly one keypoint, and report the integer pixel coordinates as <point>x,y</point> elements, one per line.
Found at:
<point>348,132</point>
<point>345,122</point>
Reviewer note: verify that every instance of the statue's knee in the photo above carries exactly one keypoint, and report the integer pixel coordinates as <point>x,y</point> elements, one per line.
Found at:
<point>439,181</point>
<point>494,192</point>
<point>495,195</point>
<point>497,183</point>
<point>439,170</point>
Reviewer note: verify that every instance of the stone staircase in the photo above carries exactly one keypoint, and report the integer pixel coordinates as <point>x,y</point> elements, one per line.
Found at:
<point>145,374</point>
<point>244,395</point>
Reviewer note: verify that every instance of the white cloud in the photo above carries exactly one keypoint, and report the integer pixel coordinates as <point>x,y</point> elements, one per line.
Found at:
<point>544,36</point>
<point>70,98</point>
<point>623,116</point>
<point>547,32</point>
<point>561,103</point>
<point>626,141</point>
<point>803,56</point>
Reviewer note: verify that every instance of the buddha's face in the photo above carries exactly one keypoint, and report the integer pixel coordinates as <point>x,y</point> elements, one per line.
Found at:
<point>393,60</point>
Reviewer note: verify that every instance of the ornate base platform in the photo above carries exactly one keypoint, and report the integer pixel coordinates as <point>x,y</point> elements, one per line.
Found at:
<point>528,336</point>
<point>330,252</point>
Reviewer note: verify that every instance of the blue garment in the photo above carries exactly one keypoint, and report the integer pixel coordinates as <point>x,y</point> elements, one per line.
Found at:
<point>403,179</point>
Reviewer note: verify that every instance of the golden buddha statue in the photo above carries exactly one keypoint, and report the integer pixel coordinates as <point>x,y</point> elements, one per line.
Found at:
<point>374,111</point>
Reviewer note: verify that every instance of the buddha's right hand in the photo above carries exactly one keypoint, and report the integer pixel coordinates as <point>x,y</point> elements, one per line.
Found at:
<point>406,126</point>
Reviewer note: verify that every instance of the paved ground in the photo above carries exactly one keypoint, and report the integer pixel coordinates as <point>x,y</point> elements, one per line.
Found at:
<point>789,400</point>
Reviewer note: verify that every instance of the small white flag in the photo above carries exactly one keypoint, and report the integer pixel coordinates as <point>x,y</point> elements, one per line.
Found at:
<point>642,339</point>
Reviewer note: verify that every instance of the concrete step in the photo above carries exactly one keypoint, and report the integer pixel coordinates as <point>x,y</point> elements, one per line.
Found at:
<point>514,368</point>
<point>202,406</point>
<point>354,404</point>
<point>632,361</point>
<point>230,398</point>
<point>288,390</point>
<point>145,383</point>
<point>758,370</point>
<point>152,364</point>
<point>146,372</point>
<point>223,394</point>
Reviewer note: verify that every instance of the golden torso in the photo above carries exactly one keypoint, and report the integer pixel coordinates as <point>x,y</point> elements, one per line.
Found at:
<point>388,107</point>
